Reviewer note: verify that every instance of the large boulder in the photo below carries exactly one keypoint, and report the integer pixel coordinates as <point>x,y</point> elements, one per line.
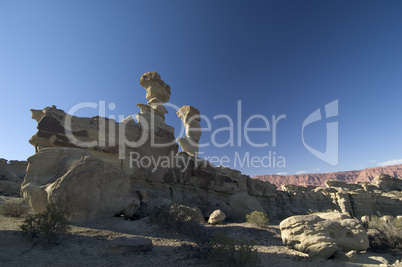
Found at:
<point>88,187</point>
<point>321,235</point>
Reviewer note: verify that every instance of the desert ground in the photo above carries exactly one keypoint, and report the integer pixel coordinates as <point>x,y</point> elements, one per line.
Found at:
<point>83,246</point>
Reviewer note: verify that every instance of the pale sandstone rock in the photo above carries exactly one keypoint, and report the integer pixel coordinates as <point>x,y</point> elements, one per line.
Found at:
<point>88,187</point>
<point>155,87</point>
<point>216,217</point>
<point>387,183</point>
<point>365,219</point>
<point>108,146</point>
<point>191,119</point>
<point>342,184</point>
<point>321,234</point>
<point>387,219</point>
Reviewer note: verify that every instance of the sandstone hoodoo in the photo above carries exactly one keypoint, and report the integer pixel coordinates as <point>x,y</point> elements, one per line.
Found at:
<point>144,175</point>
<point>191,119</point>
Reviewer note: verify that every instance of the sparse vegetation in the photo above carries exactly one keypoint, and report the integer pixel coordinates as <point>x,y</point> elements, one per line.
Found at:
<point>217,248</point>
<point>14,209</point>
<point>258,218</point>
<point>227,251</point>
<point>385,236</point>
<point>46,226</point>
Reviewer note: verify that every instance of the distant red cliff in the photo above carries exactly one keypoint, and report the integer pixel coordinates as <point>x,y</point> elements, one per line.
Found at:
<point>319,179</point>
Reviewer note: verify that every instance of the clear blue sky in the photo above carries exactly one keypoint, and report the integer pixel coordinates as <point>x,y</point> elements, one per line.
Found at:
<point>276,57</point>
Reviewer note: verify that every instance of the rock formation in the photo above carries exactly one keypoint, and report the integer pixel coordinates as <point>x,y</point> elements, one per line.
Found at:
<point>132,146</point>
<point>321,235</point>
<point>158,93</point>
<point>191,119</point>
<point>319,179</point>
<point>182,177</point>
<point>11,176</point>
<point>88,187</point>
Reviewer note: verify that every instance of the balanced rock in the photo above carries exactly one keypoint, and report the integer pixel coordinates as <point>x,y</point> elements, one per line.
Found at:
<point>155,87</point>
<point>320,235</point>
<point>86,186</point>
<point>191,118</point>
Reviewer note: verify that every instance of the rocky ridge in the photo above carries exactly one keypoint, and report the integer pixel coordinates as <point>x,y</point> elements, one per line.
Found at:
<point>319,179</point>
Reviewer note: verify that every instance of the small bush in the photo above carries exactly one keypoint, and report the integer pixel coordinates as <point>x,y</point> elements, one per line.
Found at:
<point>385,236</point>
<point>217,248</point>
<point>174,217</point>
<point>257,218</point>
<point>14,209</point>
<point>47,225</point>
<point>227,251</point>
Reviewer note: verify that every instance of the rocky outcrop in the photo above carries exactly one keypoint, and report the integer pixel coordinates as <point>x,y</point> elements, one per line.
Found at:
<point>191,119</point>
<point>146,152</point>
<point>387,183</point>
<point>319,179</point>
<point>321,235</point>
<point>86,186</point>
<point>135,147</point>
<point>11,176</point>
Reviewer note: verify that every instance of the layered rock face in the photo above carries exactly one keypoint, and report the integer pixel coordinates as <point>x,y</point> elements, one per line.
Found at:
<point>319,179</point>
<point>11,176</point>
<point>191,119</point>
<point>128,145</point>
<point>321,235</point>
<point>88,187</point>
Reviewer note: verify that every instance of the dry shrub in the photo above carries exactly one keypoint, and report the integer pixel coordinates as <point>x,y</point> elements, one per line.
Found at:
<point>385,236</point>
<point>258,218</point>
<point>46,226</point>
<point>15,209</point>
<point>227,251</point>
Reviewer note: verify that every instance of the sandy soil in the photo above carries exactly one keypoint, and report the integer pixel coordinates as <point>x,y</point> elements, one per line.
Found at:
<point>83,246</point>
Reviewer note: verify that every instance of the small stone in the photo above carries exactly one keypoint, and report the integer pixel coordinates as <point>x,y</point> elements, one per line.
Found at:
<point>216,217</point>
